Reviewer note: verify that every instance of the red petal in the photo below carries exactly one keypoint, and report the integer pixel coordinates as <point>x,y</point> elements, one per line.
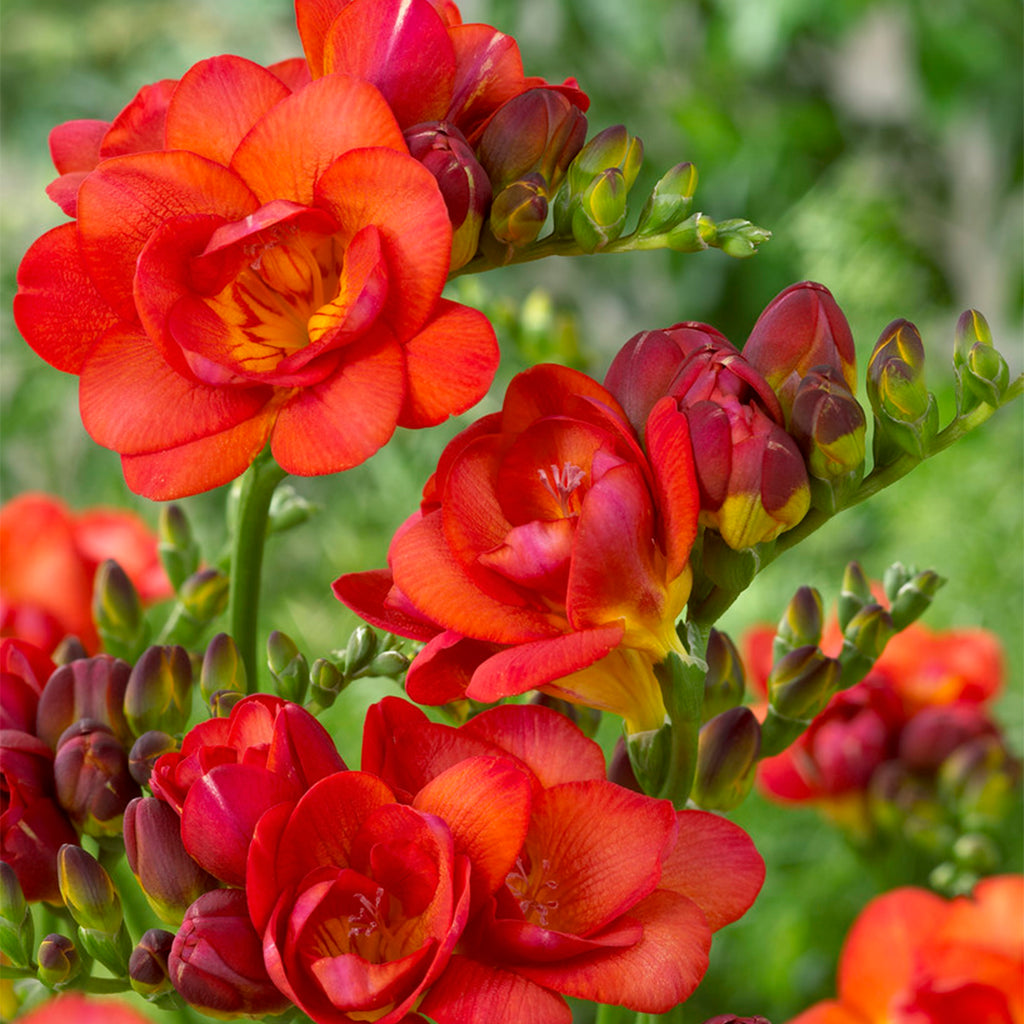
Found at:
<point>306,132</point>
<point>64,191</point>
<point>58,309</point>
<point>367,593</point>
<point>489,72</point>
<point>139,128</point>
<point>301,749</point>
<point>402,47</point>
<point>216,104</point>
<point>340,423</point>
<point>125,200</point>
<point>450,365</point>
<point>715,864</point>
<point>829,1012</point>
<point>441,671</point>
<point>293,71</point>
<point>399,196</point>
<point>75,145</point>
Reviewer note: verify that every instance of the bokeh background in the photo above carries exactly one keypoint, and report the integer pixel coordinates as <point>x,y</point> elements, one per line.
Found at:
<point>879,141</point>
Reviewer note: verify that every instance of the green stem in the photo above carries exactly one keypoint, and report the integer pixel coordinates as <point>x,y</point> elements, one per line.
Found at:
<point>247,544</point>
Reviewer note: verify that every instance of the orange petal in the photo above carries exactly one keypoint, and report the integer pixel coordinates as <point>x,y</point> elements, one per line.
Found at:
<point>289,149</point>
<point>314,18</point>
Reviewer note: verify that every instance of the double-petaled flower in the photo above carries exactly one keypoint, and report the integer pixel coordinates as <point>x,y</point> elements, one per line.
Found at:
<point>550,552</point>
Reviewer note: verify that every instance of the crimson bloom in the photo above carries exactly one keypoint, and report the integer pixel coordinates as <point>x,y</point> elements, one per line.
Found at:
<point>260,260</point>
<point>48,561</point>
<point>24,669</point>
<point>912,956</point>
<point>549,552</point>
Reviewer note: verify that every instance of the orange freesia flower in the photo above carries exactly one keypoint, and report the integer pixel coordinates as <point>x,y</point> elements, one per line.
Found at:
<point>253,259</point>
<point>912,957</point>
<point>48,561</point>
<point>549,553</point>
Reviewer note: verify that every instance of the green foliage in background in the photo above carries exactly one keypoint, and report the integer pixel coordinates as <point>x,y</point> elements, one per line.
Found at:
<point>879,141</point>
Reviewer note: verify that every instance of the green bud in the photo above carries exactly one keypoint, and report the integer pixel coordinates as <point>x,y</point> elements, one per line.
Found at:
<point>864,639</point>
<point>288,667</point>
<point>289,509</point>
<point>801,623</point>
<point>87,891</point>
<point>112,951</point>
<point>855,593</point>
<point>694,234</point>
<point>519,210</point>
<point>601,213</point>
<point>16,925</point>
<point>59,961</point>
<point>976,852</point>
<point>117,611</point>
<point>176,545</point>
<point>725,681</point>
<point>649,754</point>
<point>913,597</point>
<point>727,756</point>
<point>669,201</point>
<point>740,238</point>
<point>802,682</point>
<point>981,372</point>
<point>388,665</point>
<point>611,148</point>
<point>978,781</point>
<point>361,649</point>
<point>222,701</point>
<point>326,681</point>
<point>204,595</point>
<point>159,693</point>
<point>223,668</point>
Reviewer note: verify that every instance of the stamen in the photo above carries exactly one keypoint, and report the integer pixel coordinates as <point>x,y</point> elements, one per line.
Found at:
<point>561,481</point>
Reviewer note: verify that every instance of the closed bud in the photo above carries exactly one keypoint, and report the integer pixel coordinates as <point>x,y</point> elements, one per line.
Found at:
<point>223,701</point>
<point>650,756</point>
<point>176,545</point>
<point>17,929</point>
<point>727,755</point>
<point>906,414</point>
<point>159,693</point>
<point>864,639</point>
<point>464,184</point>
<point>611,148</point>
<point>519,211</point>
<point>936,731</point>
<point>978,780</point>
<point>694,234</point>
<point>216,962</point>
<point>802,682</point>
<point>801,624</point>
<point>117,611</point>
<point>669,201</point>
<point>69,649</point>
<point>289,509</point>
<point>854,593</point>
<point>725,681</point>
<point>361,649</point>
<point>981,372</point>
<point>913,597</point>
<point>146,750</point>
<point>92,688</point>
<point>288,667</point>
<point>59,961</point>
<point>170,879</point>
<point>223,668</point>
<point>87,891</point>
<point>739,238</point>
<point>601,213</point>
<point>147,966</point>
<point>93,779</point>
<point>325,682</point>
<point>388,664</point>
<point>204,595</point>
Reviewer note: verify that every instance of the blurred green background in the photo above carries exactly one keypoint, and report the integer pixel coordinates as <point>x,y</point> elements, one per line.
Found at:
<point>879,141</point>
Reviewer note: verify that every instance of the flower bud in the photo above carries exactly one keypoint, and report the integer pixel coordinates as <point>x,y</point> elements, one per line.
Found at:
<point>145,751</point>
<point>978,780</point>
<point>68,650</point>
<point>727,755</point>
<point>854,593</point>
<point>223,701</point>
<point>694,234</point>
<point>802,682</point>
<point>176,545</point>
<point>801,623</point>
<point>611,148</point>
<point>91,688</point>
<point>981,372</point>
<point>117,611</point>
<point>829,427</point>
<point>906,414</point>
<point>204,595</point>
<point>669,201</point>
<point>935,732</point>
<point>388,665</point>
<point>169,877</point>
<point>738,238</point>
<point>325,682</point>
<point>17,928</point>
<point>519,211</point>
<point>801,329</point>
<point>147,966</point>
<point>464,184</point>
<point>159,692</point>
<point>725,681</point>
<point>93,780</point>
<point>538,132</point>
<point>59,961</point>
<point>216,962</point>
<point>288,667</point>
<point>864,639</point>
<point>223,668</point>
<point>87,891</point>
<point>601,212</point>
<point>913,597</point>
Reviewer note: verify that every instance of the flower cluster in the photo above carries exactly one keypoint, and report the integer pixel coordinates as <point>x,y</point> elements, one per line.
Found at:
<point>478,873</point>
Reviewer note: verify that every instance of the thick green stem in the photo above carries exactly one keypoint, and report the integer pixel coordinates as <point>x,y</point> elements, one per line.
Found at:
<point>247,543</point>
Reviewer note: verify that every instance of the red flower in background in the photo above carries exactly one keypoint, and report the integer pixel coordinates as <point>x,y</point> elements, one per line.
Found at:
<point>48,561</point>
<point>549,553</point>
<point>912,956</point>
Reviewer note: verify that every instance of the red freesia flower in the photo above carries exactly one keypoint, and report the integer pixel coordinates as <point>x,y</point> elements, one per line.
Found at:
<point>259,259</point>
<point>24,669</point>
<point>549,552</point>
<point>230,770</point>
<point>48,561</point>
<point>912,956</point>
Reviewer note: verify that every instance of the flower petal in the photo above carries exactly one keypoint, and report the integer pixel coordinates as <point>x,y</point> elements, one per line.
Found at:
<point>441,672</point>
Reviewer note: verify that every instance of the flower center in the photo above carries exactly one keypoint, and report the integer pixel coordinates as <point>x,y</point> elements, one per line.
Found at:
<point>533,891</point>
<point>561,482</point>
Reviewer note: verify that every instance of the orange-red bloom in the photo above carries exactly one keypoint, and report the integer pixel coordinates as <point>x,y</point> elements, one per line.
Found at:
<point>549,553</point>
<point>253,259</point>
<point>913,957</point>
<point>48,561</point>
